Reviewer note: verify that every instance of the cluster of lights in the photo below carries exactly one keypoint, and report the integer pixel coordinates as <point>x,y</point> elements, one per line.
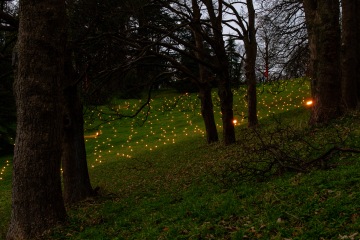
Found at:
<point>284,100</point>
<point>153,133</point>
<point>3,170</point>
<point>158,124</point>
<point>158,129</point>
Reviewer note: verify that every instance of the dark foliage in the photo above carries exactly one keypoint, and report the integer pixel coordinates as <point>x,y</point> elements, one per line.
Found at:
<point>264,153</point>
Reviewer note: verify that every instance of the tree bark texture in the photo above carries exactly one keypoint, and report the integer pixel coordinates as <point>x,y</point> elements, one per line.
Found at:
<point>207,112</point>
<point>203,83</point>
<point>76,179</point>
<point>350,63</point>
<point>37,202</point>
<point>251,91</point>
<point>222,71</point>
<point>251,51</point>
<point>226,105</point>
<point>322,20</point>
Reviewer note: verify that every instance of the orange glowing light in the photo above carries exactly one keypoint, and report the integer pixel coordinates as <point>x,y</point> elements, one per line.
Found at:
<point>235,121</point>
<point>93,135</point>
<point>309,103</point>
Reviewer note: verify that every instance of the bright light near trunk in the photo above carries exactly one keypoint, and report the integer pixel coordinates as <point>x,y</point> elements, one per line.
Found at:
<point>309,103</point>
<point>234,121</point>
<point>93,135</point>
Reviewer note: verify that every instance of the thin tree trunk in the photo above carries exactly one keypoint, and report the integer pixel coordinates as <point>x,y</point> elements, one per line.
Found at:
<point>207,107</point>
<point>37,203</point>
<point>267,63</point>
<point>251,51</point>
<point>350,53</point>
<point>207,112</point>
<point>251,90</point>
<point>226,105</point>
<point>222,71</point>
<point>322,20</point>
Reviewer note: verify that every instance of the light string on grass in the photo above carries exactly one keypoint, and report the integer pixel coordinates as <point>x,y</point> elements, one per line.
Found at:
<point>171,119</point>
<point>3,169</point>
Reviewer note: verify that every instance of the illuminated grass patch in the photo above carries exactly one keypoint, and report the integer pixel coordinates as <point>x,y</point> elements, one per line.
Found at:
<point>173,118</point>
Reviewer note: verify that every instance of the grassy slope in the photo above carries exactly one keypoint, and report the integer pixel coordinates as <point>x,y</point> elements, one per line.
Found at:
<point>152,188</point>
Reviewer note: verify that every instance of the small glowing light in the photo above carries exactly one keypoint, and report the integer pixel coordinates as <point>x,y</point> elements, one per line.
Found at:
<point>309,103</point>
<point>235,121</point>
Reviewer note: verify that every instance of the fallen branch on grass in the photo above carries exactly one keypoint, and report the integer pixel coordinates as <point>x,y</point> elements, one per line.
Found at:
<point>266,152</point>
<point>327,155</point>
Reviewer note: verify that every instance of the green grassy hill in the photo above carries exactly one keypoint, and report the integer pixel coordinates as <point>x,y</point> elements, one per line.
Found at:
<point>159,179</point>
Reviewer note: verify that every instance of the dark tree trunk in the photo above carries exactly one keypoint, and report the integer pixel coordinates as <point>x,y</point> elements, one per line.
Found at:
<point>267,58</point>
<point>76,179</point>
<point>251,92</point>
<point>322,20</point>
<point>251,51</point>
<point>204,84</point>
<point>37,202</point>
<point>222,71</point>
<point>207,112</point>
<point>357,29</point>
<point>350,63</point>
<point>226,104</point>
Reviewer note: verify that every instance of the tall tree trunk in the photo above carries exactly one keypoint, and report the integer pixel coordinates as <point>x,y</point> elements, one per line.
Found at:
<point>37,202</point>
<point>251,51</point>
<point>267,58</point>
<point>322,21</point>
<point>226,105</point>
<point>207,112</point>
<point>203,83</point>
<point>350,63</point>
<point>251,88</point>
<point>76,179</point>
<point>222,71</point>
